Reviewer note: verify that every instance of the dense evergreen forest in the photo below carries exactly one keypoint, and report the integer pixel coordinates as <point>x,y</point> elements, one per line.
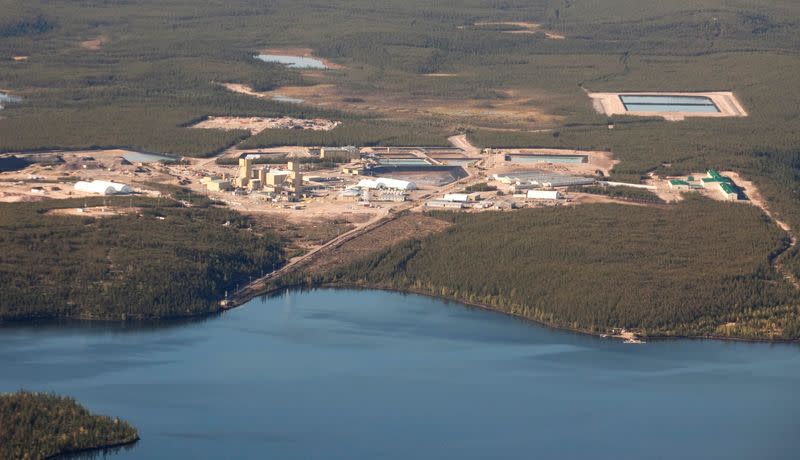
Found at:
<point>37,425</point>
<point>159,260</point>
<point>699,268</point>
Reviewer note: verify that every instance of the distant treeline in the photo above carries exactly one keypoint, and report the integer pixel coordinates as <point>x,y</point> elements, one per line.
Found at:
<point>161,260</point>
<point>683,270</point>
<point>35,426</point>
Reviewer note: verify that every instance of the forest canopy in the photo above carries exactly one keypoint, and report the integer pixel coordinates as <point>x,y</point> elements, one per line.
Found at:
<point>157,260</point>
<point>681,270</point>
<point>41,425</point>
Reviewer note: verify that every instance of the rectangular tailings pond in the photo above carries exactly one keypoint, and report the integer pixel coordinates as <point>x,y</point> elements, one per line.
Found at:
<point>549,158</point>
<point>635,103</point>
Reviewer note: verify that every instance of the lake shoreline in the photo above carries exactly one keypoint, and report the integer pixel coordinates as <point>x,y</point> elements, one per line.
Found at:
<point>520,317</point>
<point>229,304</point>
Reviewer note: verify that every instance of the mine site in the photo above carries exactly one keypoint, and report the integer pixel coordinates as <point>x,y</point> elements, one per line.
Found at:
<point>358,184</point>
<point>360,229</point>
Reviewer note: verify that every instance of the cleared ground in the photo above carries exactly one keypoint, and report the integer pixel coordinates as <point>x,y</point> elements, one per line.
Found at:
<point>513,107</point>
<point>519,27</point>
<point>257,124</point>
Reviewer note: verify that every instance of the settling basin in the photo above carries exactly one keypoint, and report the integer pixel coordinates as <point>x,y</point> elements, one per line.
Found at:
<point>294,62</point>
<point>371,374</point>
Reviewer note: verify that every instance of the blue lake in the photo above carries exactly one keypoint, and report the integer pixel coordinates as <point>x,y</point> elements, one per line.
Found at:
<point>294,62</point>
<point>346,374</point>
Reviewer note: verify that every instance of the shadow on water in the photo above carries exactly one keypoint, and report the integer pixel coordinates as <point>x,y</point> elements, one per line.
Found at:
<point>45,326</point>
<point>93,454</point>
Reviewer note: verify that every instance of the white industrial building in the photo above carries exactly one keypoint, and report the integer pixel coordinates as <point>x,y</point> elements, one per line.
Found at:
<point>458,197</point>
<point>102,187</point>
<point>444,204</point>
<point>383,182</point>
<point>543,195</point>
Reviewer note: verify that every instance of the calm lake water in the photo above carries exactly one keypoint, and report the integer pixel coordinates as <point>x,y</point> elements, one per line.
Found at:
<point>348,374</point>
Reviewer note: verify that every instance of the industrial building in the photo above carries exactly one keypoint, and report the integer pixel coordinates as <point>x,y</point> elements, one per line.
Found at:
<point>352,170</point>
<point>393,197</point>
<point>339,154</point>
<point>353,194</point>
<point>443,204</point>
<point>459,197</point>
<point>288,181</point>
<point>678,184</point>
<point>219,185</point>
<point>525,180</point>
<point>102,187</point>
<point>384,182</point>
<point>544,195</point>
<point>723,184</point>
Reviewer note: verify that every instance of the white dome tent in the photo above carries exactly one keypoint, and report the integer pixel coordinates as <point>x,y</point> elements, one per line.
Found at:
<point>383,182</point>
<point>102,187</point>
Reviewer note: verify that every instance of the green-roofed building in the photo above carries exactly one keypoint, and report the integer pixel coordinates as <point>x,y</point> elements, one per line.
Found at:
<point>678,184</point>
<point>724,184</point>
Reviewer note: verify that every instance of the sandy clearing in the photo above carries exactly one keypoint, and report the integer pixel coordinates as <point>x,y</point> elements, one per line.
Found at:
<point>596,160</point>
<point>517,107</point>
<point>93,211</point>
<point>464,144</point>
<point>257,124</point>
<point>727,103</point>
<point>95,43</point>
<point>527,28</point>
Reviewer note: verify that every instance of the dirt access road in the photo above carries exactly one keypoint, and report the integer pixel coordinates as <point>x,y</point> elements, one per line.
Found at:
<point>259,286</point>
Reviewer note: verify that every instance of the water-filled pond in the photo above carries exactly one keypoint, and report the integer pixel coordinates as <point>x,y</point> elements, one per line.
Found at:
<point>656,103</point>
<point>294,62</point>
<point>139,157</point>
<point>548,158</point>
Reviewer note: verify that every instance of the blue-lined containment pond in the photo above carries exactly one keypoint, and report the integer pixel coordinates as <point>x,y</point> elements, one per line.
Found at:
<point>517,158</point>
<point>294,62</point>
<point>347,374</point>
<point>645,103</point>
